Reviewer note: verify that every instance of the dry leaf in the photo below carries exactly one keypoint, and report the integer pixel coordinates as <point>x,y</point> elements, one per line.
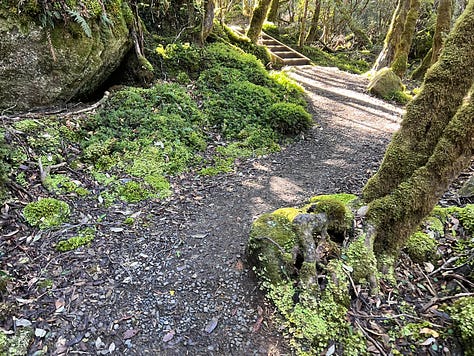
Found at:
<point>169,335</point>
<point>258,324</point>
<point>428,341</point>
<point>129,333</point>
<point>428,331</point>
<point>211,325</point>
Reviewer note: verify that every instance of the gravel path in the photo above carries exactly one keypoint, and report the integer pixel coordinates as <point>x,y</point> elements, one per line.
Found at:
<point>178,284</point>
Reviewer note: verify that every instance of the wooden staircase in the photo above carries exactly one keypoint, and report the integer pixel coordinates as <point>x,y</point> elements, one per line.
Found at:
<point>282,54</point>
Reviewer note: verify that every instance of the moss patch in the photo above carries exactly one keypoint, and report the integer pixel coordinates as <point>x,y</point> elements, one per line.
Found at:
<point>84,237</point>
<point>462,313</point>
<point>46,213</point>
<point>421,247</point>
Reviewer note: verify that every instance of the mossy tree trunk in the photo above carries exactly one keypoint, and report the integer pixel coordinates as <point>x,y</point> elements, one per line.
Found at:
<point>400,60</point>
<point>302,36</point>
<point>419,72</point>
<point>434,144</point>
<point>313,29</point>
<point>393,36</point>
<point>273,13</point>
<point>443,24</point>
<point>258,18</point>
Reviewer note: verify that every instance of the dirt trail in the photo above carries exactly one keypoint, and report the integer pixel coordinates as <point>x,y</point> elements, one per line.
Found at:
<point>179,284</point>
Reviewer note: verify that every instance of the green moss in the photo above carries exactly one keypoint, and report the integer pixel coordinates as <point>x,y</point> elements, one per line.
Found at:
<point>362,260</point>
<point>47,212</point>
<point>27,125</point>
<point>84,237</point>
<point>271,238</point>
<point>133,192</point>
<point>421,247</point>
<point>17,344</point>
<point>59,184</point>
<point>462,313</point>
<point>337,208</point>
<point>289,213</point>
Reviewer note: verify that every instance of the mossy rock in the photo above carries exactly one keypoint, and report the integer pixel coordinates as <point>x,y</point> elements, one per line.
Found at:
<point>385,84</point>
<point>46,213</point>
<point>44,66</point>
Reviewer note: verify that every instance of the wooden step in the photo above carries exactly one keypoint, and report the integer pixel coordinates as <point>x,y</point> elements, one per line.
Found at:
<point>287,54</point>
<point>296,61</point>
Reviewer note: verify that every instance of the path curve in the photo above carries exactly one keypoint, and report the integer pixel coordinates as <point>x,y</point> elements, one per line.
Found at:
<point>179,284</point>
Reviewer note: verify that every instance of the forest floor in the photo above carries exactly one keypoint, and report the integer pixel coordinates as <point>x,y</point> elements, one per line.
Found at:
<point>178,283</point>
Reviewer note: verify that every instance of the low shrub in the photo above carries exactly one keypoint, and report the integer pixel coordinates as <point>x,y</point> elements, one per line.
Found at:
<point>288,119</point>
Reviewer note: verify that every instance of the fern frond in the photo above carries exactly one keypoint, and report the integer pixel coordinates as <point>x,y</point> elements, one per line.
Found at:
<point>81,21</point>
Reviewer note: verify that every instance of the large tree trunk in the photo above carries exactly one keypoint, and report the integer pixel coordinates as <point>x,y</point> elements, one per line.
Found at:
<point>400,61</point>
<point>313,29</point>
<point>434,144</point>
<point>443,24</point>
<point>393,36</point>
<point>258,18</point>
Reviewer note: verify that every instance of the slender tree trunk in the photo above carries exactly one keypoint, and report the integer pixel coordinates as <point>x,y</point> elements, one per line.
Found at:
<point>446,85</point>
<point>313,30</point>
<point>208,19</point>
<point>400,61</point>
<point>419,72</point>
<point>302,36</point>
<point>393,36</point>
<point>258,18</point>
<point>443,24</point>
<point>434,144</point>
<point>273,13</point>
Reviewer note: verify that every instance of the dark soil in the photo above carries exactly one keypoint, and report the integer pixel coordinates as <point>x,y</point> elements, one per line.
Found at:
<point>176,282</point>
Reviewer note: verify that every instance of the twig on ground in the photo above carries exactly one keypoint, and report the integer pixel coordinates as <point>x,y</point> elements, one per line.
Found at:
<point>435,301</point>
<point>372,340</point>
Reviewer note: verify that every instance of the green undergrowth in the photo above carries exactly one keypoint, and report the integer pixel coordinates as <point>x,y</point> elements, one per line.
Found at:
<point>218,105</point>
<point>343,60</point>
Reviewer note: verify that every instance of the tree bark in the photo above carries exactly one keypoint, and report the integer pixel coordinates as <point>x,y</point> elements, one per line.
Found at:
<point>443,24</point>
<point>313,29</point>
<point>273,13</point>
<point>434,144</point>
<point>420,72</point>
<point>445,86</point>
<point>302,36</point>
<point>400,60</point>
<point>393,36</point>
<point>258,18</point>
<point>208,19</point>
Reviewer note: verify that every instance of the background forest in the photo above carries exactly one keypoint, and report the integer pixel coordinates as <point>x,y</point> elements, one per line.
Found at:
<point>116,114</point>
